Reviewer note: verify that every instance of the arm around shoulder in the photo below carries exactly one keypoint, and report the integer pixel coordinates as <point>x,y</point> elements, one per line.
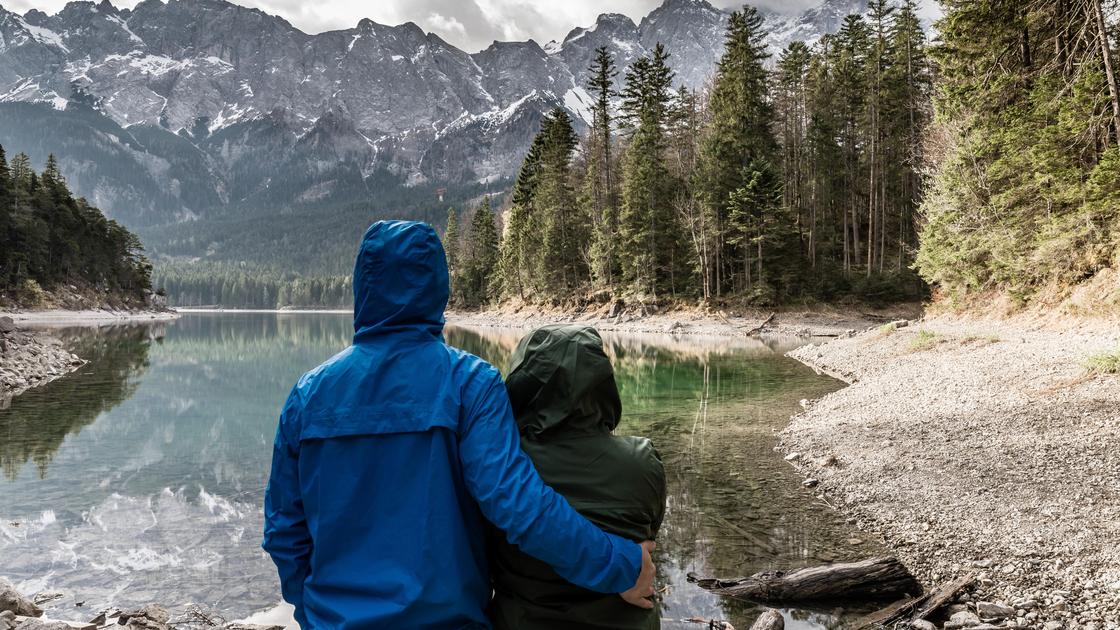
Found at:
<point>514,498</point>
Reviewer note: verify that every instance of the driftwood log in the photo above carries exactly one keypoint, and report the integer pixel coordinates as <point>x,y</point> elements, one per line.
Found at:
<point>769,620</point>
<point>917,607</point>
<point>877,578</point>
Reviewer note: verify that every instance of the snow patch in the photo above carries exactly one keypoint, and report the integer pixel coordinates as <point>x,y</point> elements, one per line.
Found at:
<point>579,102</point>
<point>42,35</point>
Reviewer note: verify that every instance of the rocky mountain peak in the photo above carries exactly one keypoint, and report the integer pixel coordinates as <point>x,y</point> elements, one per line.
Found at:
<point>247,100</point>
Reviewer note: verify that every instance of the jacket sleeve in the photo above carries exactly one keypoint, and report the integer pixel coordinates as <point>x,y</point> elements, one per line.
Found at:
<point>286,537</point>
<point>511,494</point>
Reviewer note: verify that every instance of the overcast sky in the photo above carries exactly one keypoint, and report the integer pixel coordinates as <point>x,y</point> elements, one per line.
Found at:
<point>469,24</point>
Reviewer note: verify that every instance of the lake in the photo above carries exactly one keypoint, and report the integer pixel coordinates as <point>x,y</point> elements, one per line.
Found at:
<point>139,478</point>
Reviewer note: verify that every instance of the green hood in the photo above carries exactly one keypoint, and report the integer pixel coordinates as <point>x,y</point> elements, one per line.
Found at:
<point>561,383</point>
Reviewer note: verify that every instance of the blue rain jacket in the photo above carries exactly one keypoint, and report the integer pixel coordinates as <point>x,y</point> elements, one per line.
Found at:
<point>390,455</point>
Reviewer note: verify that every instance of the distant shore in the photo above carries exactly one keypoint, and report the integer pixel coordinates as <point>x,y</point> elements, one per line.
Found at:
<point>819,321</point>
<point>827,321</point>
<point>983,446</point>
<point>91,317</point>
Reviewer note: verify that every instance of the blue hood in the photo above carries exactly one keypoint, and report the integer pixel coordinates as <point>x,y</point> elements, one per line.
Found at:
<point>400,280</point>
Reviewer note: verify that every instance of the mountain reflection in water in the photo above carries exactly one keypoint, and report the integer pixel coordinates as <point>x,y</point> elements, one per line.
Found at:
<point>140,477</point>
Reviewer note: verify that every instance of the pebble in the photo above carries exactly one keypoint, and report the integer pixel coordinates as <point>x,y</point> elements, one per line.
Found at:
<point>962,619</point>
<point>993,610</point>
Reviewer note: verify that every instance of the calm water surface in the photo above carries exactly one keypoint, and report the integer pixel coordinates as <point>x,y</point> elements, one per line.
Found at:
<point>139,478</point>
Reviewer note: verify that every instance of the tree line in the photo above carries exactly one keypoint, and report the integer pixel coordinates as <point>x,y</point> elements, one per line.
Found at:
<point>49,237</point>
<point>1024,194</point>
<point>798,179</point>
<point>242,285</point>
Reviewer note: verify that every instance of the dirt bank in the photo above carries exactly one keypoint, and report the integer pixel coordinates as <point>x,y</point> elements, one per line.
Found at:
<point>29,359</point>
<point>984,446</point>
<point>821,320</point>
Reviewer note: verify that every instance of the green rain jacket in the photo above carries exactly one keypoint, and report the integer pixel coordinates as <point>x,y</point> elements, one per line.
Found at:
<point>566,403</point>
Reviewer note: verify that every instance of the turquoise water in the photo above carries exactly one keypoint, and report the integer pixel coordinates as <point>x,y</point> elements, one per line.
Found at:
<point>139,478</point>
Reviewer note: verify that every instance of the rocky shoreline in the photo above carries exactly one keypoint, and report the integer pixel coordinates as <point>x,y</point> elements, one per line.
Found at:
<point>985,447</point>
<point>30,359</point>
<point>18,612</point>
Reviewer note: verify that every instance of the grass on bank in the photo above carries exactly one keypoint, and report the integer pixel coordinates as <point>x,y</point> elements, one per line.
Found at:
<point>1104,363</point>
<point>925,340</point>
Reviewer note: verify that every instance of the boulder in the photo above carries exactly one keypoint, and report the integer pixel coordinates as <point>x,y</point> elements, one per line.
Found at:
<point>150,617</point>
<point>7,325</point>
<point>13,601</point>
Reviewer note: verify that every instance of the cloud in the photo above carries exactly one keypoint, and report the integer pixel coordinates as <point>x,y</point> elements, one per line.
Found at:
<point>446,26</point>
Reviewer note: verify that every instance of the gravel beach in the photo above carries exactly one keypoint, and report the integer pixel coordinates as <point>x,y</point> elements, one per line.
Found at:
<point>984,446</point>
<point>635,318</point>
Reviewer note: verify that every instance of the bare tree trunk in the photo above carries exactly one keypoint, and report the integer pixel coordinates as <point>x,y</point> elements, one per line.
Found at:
<point>1106,54</point>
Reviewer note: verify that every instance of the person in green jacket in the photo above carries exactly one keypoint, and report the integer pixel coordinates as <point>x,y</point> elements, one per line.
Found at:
<point>566,403</point>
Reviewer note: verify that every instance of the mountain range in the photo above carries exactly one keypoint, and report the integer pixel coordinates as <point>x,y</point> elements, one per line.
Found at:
<point>180,110</point>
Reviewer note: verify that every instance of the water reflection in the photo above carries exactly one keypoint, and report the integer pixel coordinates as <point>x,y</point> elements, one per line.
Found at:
<point>149,464</point>
<point>35,424</point>
<point>734,507</point>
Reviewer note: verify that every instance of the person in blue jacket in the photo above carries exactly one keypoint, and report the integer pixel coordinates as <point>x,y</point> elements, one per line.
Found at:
<point>391,456</point>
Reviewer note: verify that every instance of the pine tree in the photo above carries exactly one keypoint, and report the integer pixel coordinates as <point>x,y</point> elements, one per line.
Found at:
<point>47,236</point>
<point>480,269</point>
<point>561,265</point>
<point>522,238</point>
<point>646,230</point>
<point>741,130</point>
<point>792,111</point>
<point>1025,194</point>
<point>686,124</point>
<point>850,53</point>
<point>600,193</point>
<point>909,89</point>
<point>451,247</point>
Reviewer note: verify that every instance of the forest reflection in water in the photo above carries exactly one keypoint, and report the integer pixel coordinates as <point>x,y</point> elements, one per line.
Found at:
<point>139,478</point>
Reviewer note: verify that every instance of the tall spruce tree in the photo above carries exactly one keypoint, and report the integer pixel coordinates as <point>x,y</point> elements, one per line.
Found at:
<point>600,187</point>
<point>647,233</point>
<point>522,236</point>
<point>480,269</point>
<point>561,265</point>
<point>451,247</point>
<point>740,133</point>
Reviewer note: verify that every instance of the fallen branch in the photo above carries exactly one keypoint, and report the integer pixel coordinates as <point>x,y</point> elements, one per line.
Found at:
<point>770,619</point>
<point>943,595</point>
<point>764,324</point>
<point>922,607</point>
<point>877,578</point>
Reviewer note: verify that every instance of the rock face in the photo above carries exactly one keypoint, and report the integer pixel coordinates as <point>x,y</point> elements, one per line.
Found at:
<point>28,360</point>
<point>170,110</point>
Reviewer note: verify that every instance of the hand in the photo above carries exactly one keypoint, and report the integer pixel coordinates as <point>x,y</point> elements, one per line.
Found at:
<point>643,589</point>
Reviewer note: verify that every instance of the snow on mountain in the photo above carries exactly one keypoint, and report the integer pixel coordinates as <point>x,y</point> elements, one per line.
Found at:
<point>233,84</point>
